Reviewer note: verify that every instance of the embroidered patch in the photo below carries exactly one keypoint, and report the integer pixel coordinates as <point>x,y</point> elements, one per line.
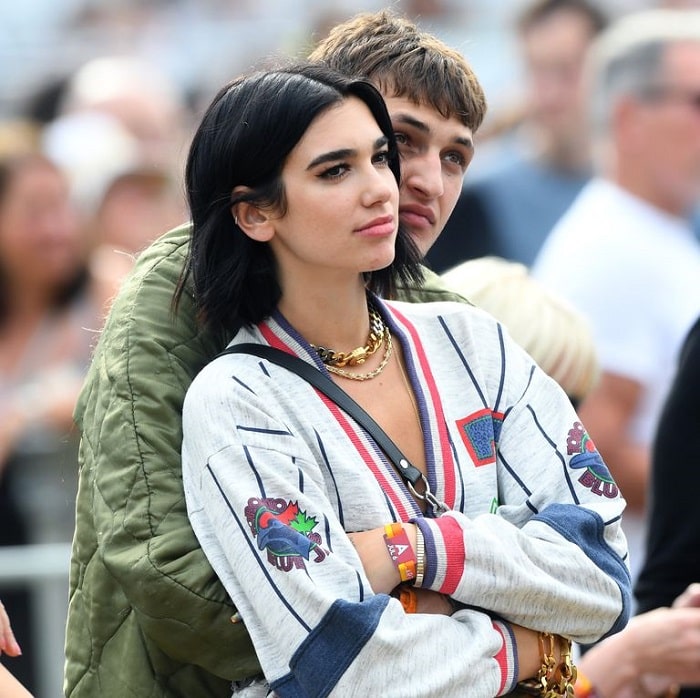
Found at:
<point>285,532</point>
<point>596,477</point>
<point>480,432</point>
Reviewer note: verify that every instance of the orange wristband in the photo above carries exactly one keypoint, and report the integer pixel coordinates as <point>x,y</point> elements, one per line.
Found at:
<point>409,599</point>
<point>583,688</point>
<point>400,551</point>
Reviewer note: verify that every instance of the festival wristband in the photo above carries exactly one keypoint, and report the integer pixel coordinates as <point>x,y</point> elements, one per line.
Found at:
<point>400,551</point>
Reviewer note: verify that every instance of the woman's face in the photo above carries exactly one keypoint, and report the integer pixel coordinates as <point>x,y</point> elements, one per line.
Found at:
<point>342,199</point>
<point>40,242</point>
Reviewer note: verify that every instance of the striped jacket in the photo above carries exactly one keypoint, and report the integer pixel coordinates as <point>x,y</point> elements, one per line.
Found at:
<point>275,475</point>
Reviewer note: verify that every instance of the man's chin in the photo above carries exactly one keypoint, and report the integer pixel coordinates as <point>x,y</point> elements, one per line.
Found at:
<point>423,239</point>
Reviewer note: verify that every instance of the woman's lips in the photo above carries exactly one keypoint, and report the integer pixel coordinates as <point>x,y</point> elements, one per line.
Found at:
<point>384,225</point>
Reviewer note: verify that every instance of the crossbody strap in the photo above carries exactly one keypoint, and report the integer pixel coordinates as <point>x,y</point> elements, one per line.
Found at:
<point>408,472</point>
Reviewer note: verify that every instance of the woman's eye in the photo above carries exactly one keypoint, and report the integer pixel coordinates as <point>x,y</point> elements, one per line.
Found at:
<point>401,138</point>
<point>334,172</point>
<point>381,158</point>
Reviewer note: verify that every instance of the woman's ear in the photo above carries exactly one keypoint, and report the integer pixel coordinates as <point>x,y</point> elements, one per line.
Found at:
<point>254,221</point>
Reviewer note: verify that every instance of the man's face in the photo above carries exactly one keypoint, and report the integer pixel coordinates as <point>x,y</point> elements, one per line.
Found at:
<point>668,132</point>
<point>435,153</point>
<point>554,52</point>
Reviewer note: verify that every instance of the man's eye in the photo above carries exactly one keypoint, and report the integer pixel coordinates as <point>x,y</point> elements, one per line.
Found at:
<point>456,158</point>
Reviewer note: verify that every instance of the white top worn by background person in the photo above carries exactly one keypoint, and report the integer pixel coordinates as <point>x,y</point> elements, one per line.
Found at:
<point>275,476</point>
<point>634,272</point>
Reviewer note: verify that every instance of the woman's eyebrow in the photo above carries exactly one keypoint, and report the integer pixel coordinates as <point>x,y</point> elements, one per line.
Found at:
<point>343,153</point>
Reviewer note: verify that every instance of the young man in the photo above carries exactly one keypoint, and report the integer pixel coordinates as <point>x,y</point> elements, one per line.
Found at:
<point>148,616</point>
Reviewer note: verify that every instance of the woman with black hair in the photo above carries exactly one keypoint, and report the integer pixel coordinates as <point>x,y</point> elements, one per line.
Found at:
<point>459,567</point>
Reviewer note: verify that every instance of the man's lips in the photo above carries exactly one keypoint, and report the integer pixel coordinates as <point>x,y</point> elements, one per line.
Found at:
<point>383,225</point>
<point>416,215</point>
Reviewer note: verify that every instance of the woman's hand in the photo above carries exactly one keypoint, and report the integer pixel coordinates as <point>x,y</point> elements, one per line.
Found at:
<point>8,643</point>
<point>433,602</point>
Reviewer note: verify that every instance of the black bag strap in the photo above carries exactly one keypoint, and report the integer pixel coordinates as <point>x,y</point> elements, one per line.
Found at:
<point>408,472</point>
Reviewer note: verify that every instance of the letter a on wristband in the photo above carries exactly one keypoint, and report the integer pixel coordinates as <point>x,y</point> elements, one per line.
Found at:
<point>400,551</point>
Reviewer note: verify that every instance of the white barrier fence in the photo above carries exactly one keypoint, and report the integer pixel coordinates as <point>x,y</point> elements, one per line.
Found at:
<point>43,569</point>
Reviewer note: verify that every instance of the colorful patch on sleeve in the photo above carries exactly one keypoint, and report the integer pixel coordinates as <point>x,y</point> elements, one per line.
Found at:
<point>480,433</point>
<point>596,476</point>
<point>285,531</point>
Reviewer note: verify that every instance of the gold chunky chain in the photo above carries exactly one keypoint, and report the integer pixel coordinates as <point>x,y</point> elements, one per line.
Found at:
<point>553,679</point>
<point>356,357</point>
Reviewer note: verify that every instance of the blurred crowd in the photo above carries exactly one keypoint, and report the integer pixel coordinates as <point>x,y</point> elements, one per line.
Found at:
<point>95,119</point>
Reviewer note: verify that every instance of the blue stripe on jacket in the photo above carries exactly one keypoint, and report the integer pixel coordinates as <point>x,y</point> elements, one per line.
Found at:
<point>331,647</point>
<point>586,529</point>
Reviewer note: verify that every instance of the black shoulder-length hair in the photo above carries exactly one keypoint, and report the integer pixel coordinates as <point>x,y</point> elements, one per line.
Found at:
<point>244,138</point>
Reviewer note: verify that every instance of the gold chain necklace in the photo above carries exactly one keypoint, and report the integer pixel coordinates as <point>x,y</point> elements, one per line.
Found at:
<point>356,357</point>
<point>386,339</point>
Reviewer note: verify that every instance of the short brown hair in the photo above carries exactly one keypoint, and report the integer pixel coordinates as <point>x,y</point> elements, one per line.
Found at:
<point>541,10</point>
<point>403,61</point>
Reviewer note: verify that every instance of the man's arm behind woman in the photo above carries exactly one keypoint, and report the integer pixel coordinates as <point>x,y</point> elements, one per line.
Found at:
<point>150,590</point>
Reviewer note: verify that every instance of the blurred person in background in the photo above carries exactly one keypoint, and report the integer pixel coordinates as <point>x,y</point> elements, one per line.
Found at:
<point>672,558</point>
<point>119,133</point>
<point>136,207</point>
<point>544,324</point>
<point>141,97</point>
<point>542,157</point>
<point>625,254</point>
<point>47,321</point>
<point>660,650</point>
<point>119,116</point>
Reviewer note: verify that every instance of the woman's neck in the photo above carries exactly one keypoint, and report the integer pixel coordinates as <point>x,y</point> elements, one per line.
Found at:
<point>334,320</point>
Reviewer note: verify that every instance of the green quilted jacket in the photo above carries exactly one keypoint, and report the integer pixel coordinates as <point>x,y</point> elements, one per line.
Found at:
<point>147,616</point>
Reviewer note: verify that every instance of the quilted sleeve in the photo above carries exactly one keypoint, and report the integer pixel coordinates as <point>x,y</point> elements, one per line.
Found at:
<point>130,417</point>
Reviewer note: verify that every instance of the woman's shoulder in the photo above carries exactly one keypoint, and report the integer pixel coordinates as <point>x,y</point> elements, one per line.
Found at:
<point>442,311</point>
<point>445,324</point>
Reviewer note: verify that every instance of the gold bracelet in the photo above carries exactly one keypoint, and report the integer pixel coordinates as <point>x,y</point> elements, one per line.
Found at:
<point>420,558</point>
<point>552,679</point>
<point>565,673</point>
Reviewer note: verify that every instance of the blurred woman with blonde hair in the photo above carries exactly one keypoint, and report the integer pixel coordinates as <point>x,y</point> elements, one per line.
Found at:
<point>549,328</point>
